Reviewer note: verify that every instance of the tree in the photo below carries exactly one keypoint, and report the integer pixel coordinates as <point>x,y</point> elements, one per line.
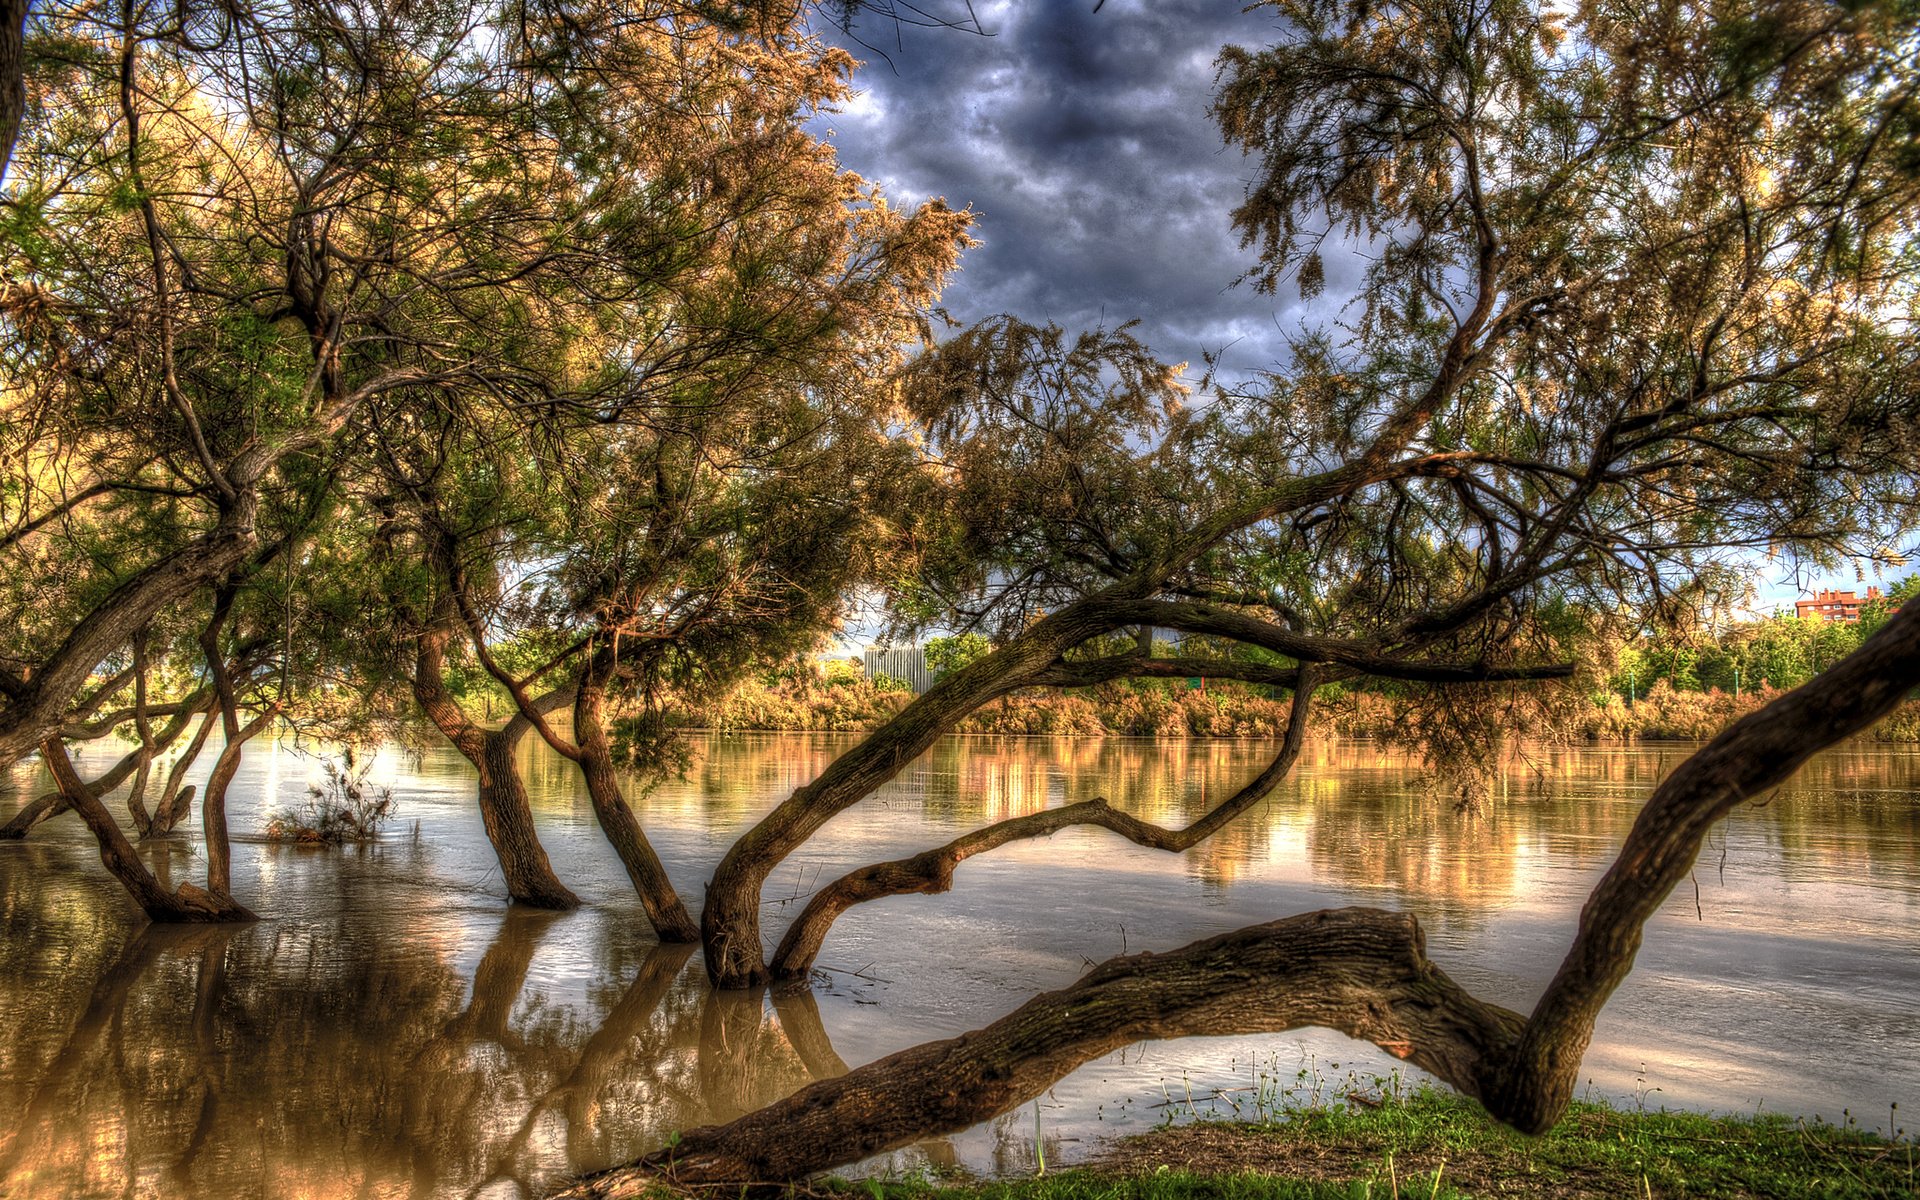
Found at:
<point>1626,318</point>
<point>696,502</point>
<point>1360,971</point>
<point>1637,306</point>
<point>1635,303</point>
<point>254,249</point>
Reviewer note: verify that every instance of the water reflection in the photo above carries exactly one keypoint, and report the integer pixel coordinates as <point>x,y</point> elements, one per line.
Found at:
<point>216,1061</point>
<point>393,1029</point>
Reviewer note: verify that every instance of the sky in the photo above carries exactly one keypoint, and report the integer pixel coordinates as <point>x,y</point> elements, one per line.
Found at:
<point>1101,187</point>
<point>1081,140</point>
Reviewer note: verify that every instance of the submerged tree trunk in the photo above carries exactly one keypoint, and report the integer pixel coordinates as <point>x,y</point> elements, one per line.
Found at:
<point>670,919</point>
<point>213,803</point>
<point>730,920</point>
<point>1359,971</point>
<point>137,792</point>
<point>507,814</point>
<point>177,801</point>
<point>505,810</point>
<point>184,904</point>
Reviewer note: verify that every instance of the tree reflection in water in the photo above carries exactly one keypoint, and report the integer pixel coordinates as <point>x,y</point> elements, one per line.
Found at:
<point>196,1060</point>
<point>391,1030</point>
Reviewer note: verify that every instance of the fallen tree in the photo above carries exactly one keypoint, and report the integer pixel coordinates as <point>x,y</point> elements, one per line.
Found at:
<point>1362,972</point>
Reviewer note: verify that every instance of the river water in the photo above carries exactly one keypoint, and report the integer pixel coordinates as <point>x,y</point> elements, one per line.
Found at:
<point>393,1028</point>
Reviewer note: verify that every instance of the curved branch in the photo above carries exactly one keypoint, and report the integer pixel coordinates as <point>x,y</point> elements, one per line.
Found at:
<point>77,731</point>
<point>1087,672</point>
<point>931,871</point>
<point>1360,971</point>
<point>1364,658</point>
<point>52,804</point>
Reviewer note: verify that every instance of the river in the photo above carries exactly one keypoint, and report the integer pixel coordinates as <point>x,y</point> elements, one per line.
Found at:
<point>392,1028</point>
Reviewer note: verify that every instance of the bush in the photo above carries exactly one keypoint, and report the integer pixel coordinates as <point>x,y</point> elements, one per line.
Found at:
<point>343,808</point>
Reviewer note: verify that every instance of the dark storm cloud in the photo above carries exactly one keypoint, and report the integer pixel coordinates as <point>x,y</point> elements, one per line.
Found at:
<point>1082,140</point>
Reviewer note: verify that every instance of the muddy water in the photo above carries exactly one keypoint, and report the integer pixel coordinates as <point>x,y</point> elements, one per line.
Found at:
<point>392,1028</point>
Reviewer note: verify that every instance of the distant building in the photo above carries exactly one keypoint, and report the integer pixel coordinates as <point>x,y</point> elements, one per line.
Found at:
<point>908,664</point>
<point>1835,606</point>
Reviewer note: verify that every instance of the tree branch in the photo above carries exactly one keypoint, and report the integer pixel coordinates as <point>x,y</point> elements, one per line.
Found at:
<point>931,871</point>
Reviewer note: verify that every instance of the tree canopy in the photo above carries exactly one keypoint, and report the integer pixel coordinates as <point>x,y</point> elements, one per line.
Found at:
<point>359,354</point>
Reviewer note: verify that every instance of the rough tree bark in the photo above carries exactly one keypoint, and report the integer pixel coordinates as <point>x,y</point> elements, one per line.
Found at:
<point>931,872</point>
<point>186,904</point>
<point>505,810</point>
<point>594,752</point>
<point>13,81</point>
<point>1359,971</point>
<point>37,712</point>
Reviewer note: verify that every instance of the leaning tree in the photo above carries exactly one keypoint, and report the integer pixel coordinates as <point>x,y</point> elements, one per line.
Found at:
<point>1636,310</point>
<point>707,376</point>
<point>250,250</point>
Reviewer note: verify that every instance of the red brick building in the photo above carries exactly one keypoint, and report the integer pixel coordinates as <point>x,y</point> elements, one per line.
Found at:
<point>1835,606</point>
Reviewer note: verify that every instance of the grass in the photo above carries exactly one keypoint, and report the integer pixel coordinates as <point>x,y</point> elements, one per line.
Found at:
<point>1432,1145</point>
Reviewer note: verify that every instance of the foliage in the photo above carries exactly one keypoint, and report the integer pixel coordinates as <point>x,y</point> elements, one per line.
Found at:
<point>843,672</point>
<point>343,808</point>
<point>1781,652</point>
<point>946,654</point>
<point>799,702</point>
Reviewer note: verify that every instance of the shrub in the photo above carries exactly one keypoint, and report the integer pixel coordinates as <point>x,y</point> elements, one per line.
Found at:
<point>343,808</point>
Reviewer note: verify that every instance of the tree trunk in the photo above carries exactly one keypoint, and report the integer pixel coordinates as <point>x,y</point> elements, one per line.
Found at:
<point>507,813</point>
<point>505,810</point>
<point>1360,971</point>
<point>37,712</point>
<point>13,81</point>
<point>186,904</point>
<point>213,804</point>
<point>671,922</point>
<point>1755,755</point>
<point>175,801</point>
<point>730,920</point>
<point>137,793</point>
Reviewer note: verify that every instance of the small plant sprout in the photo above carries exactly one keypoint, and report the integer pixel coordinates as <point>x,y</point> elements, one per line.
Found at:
<point>1039,1142</point>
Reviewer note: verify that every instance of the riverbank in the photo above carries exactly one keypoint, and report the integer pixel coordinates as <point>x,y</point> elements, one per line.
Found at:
<point>1434,1145</point>
<point>1218,710</point>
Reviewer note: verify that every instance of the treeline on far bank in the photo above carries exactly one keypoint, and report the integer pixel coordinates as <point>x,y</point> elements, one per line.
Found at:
<point>1665,687</point>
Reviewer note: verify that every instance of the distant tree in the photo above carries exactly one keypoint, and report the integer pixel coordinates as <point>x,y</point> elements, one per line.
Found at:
<point>948,654</point>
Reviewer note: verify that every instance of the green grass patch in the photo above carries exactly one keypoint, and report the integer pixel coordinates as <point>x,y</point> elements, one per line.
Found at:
<point>1433,1145</point>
